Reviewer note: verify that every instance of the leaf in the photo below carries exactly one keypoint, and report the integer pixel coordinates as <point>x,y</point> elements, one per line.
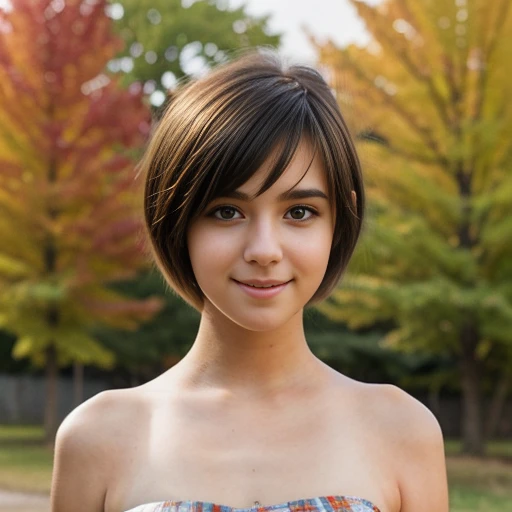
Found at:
<point>69,213</point>
<point>428,100</point>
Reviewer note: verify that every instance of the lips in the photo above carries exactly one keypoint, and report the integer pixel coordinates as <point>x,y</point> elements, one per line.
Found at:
<point>262,283</point>
<point>261,286</point>
<point>262,289</point>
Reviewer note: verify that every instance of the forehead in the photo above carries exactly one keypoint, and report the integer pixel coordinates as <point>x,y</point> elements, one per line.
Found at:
<point>305,169</point>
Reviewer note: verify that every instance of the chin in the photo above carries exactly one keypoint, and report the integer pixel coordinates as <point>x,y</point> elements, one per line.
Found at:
<point>264,319</point>
<point>261,324</point>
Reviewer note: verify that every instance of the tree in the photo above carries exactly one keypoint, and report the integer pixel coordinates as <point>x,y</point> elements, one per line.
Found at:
<point>70,220</point>
<point>430,102</point>
<point>167,40</point>
<point>164,38</point>
<point>157,344</point>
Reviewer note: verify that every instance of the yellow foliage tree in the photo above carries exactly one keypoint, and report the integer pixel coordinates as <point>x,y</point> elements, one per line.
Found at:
<point>70,220</point>
<point>429,98</point>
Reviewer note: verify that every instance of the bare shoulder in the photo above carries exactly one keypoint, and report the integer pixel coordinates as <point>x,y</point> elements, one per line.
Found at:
<point>415,440</point>
<point>409,421</point>
<point>93,424</point>
<point>87,449</point>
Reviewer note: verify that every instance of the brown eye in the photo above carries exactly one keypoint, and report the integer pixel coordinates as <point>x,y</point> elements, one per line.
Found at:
<point>225,213</point>
<point>298,213</point>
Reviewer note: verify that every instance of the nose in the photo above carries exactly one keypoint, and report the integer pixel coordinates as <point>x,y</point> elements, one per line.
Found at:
<point>263,244</point>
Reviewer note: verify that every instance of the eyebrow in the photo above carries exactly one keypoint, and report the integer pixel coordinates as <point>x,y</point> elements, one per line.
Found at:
<point>288,195</point>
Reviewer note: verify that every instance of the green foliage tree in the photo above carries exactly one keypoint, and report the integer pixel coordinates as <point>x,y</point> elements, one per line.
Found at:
<point>70,216</point>
<point>159,343</point>
<point>175,33</point>
<point>430,101</point>
<point>167,39</point>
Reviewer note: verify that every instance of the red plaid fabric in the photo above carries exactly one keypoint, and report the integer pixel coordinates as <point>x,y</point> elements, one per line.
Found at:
<point>319,504</point>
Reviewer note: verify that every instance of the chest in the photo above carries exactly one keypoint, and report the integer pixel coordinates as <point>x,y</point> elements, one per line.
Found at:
<point>242,455</point>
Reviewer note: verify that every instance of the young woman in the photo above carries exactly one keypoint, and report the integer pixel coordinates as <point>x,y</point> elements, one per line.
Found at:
<point>254,202</point>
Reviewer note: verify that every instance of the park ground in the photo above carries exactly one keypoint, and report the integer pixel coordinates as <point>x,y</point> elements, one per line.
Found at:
<point>475,485</point>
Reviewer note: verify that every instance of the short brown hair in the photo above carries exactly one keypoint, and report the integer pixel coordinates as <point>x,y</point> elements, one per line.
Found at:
<point>217,131</point>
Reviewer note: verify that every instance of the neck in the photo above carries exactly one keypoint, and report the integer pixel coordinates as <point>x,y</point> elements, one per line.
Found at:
<point>226,356</point>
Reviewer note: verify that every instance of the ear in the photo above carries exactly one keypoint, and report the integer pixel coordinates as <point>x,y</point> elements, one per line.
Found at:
<point>354,199</point>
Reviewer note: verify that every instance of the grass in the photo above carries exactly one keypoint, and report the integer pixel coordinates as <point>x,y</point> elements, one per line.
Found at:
<point>15,433</point>
<point>467,500</point>
<point>479,485</point>
<point>494,448</point>
<point>475,485</point>
<point>25,462</point>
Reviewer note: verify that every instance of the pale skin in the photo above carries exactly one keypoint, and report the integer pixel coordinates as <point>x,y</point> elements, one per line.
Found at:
<point>250,414</point>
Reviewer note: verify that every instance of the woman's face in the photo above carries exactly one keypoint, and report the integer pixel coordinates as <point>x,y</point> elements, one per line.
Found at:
<point>271,238</point>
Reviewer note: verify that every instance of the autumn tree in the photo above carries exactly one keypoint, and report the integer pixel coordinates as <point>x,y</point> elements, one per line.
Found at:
<point>429,98</point>
<point>70,219</point>
<point>167,40</point>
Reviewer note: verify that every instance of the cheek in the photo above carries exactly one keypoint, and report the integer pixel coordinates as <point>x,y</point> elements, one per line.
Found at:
<point>208,249</point>
<point>214,241</point>
<point>195,251</point>
<point>311,254</point>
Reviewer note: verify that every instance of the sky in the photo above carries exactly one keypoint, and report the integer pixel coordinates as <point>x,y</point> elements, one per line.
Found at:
<point>325,19</point>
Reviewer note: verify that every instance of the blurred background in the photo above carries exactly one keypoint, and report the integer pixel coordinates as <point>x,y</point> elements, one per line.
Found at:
<point>426,303</point>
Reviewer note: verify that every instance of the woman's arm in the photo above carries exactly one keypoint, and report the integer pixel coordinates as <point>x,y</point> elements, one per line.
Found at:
<point>79,480</point>
<point>421,465</point>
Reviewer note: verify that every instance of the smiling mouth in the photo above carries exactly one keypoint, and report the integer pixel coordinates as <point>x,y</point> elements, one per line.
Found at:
<point>262,286</point>
<point>267,286</point>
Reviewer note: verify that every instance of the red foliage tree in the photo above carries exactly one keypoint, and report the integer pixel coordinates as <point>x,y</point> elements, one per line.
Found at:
<point>70,217</point>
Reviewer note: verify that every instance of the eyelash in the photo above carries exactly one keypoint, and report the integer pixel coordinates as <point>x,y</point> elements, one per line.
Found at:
<point>297,206</point>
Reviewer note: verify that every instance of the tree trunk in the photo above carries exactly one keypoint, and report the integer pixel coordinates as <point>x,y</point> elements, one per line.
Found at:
<point>50,411</point>
<point>52,317</point>
<point>52,375</point>
<point>78,384</point>
<point>497,405</point>
<point>470,366</point>
<point>433,400</point>
<point>471,371</point>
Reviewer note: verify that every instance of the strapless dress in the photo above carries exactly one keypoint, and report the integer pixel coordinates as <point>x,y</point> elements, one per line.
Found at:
<point>319,504</point>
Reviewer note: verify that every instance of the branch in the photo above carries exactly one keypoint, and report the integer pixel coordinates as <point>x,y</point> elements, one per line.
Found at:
<point>439,102</point>
<point>421,159</point>
<point>483,76</point>
<point>423,132</point>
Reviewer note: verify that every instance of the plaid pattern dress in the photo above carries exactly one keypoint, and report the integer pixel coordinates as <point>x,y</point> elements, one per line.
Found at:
<point>320,504</point>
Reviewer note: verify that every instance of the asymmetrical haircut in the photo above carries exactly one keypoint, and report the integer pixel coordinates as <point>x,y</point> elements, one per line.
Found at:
<point>217,131</point>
